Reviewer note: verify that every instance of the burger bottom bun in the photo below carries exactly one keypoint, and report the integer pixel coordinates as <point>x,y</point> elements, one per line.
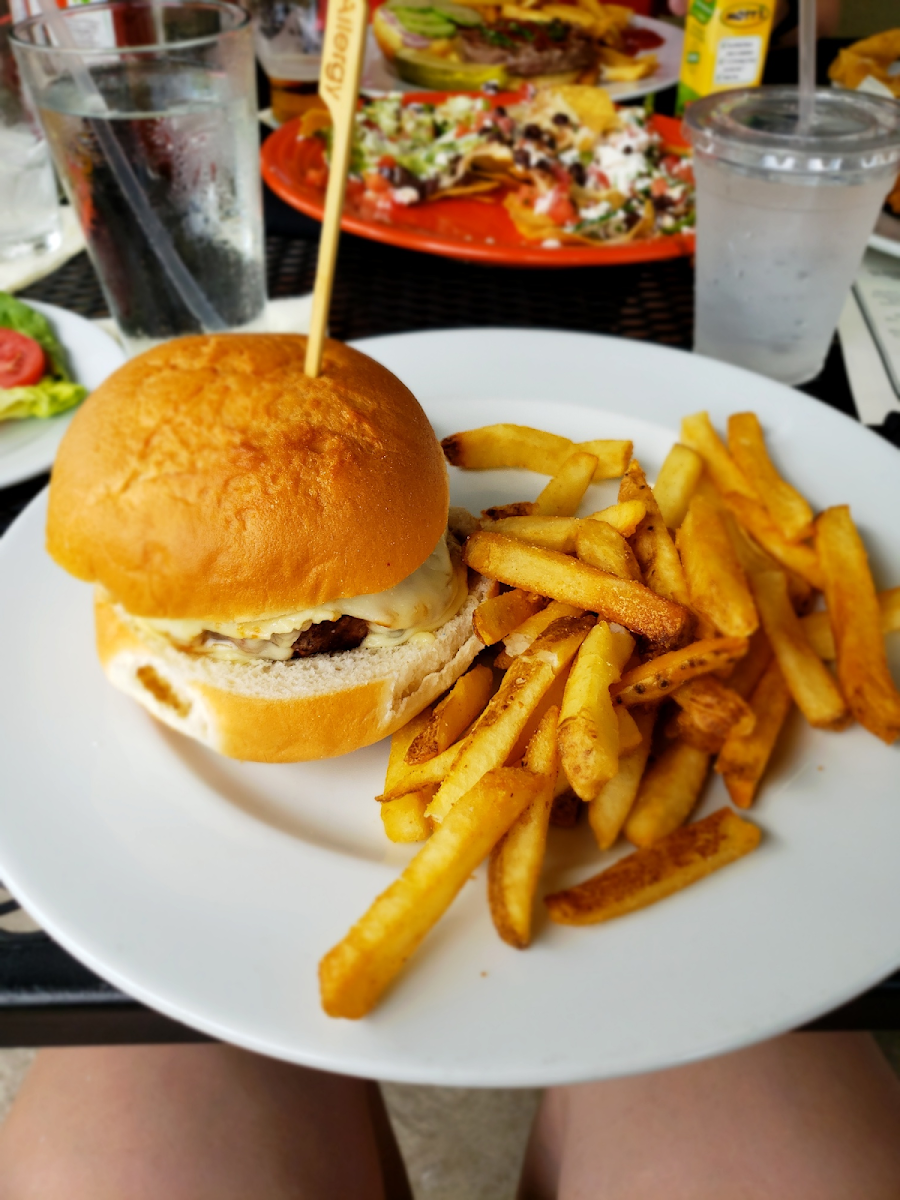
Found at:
<point>287,712</point>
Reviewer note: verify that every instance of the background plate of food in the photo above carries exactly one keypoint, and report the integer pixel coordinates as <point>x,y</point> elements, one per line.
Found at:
<point>211,888</point>
<point>449,46</point>
<point>74,357</point>
<point>558,177</point>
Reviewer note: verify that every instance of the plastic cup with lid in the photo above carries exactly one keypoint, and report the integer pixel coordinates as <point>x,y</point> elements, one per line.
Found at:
<point>785,207</point>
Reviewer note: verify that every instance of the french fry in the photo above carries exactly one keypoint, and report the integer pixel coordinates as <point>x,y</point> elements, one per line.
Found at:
<point>494,447</point>
<point>787,508</point>
<point>753,558</point>
<point>521,639</point>
<point>660,676</point>
<point>668,793</point>
<point>423,774</point>
<point>493,619</point>
<point>612,455</point>
<point>698,433</point>
<point>817,626</point>
<point>515,862</point>
<point>710,712</point>
<point>675,483</point>
<point>609,811</point>
<point>815,691</point>
<point>683,858</point>
<point>498,728</point>
<point>744,756</point>
<point>603,547</point>
<point>553,533</point>
<point>856,623</point>
<point>501,512</point>
<point>404,817</point>
<point>716,582</point>
<point>354,974</point>
<point>552,698</point>
<point>400,744</point>
<point>571,14</point>
<point>453,715</point>
<point>566,579</point>
<point>565,491</point>
<point>796,556</point>
<point>652,542</point>
<point>748,670</point>
<point>566,809</point>
<point>624,517</point>
<point>629,733</point>
<point>588,728</point>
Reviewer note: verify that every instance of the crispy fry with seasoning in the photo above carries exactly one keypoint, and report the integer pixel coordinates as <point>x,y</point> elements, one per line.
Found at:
<point>745,756</point>
<point>651,874</point>
<point>660,676</point>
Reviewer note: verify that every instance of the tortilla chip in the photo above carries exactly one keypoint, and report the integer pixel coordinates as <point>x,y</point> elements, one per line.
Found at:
<point>591,105</point>
<point>313,120</point>
<point>537,226</point>
<point>468,189</point>
<point>873,56</point>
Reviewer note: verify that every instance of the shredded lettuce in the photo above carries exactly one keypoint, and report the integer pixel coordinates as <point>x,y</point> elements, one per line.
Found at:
<point>57,391</point>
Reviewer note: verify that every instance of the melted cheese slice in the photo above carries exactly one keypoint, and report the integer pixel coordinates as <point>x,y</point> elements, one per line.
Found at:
<point>416,605</point>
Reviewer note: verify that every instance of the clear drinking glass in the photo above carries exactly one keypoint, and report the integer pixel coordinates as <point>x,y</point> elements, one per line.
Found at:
<point>29,207</point>
<point>288,36</point>
<point>150,111</point>
<point>783,216</point>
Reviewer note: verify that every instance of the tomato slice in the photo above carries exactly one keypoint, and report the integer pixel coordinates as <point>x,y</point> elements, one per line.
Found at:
<point>21,360</point>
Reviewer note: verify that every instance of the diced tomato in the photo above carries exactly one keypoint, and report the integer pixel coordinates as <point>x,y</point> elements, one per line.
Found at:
<point>375,182</point>
<point>562,211</point>
<point>601,179</point>
<point>355,188</point>
<point>317,177</point>
<point>658,187</point>
<point>22,360</point>
<point>387,160</point>
<point>462,130</point>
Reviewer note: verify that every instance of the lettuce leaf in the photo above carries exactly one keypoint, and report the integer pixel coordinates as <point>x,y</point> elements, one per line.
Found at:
<point>56,392</point>
<point>44,399</point>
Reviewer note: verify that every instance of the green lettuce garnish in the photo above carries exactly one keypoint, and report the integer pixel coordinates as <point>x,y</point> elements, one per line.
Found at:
<point>57,391</point>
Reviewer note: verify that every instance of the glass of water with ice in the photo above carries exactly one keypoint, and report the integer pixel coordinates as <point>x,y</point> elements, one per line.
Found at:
<point>149,107</point>
<point>785,205</point>
<point>29,209</point>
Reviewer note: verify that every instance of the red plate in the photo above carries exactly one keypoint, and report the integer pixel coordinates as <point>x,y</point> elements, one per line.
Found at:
<point>476,228</point>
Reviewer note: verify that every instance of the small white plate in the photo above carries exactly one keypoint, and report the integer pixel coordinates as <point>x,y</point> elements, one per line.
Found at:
<point>29,447</point>
<point>210,889</point>
<point>886,237</point>
<point>379,75</point>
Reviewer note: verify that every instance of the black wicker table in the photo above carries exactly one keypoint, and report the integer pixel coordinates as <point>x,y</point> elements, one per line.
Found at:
<point>46,997</point>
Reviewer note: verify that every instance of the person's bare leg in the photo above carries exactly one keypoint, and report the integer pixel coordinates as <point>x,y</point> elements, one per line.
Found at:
<point>810,1116</point>
<point>187,1123</point>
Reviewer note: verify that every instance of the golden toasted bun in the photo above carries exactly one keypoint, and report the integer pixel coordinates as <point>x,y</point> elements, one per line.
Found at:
<point>211,478</point>
<point>287,712</point>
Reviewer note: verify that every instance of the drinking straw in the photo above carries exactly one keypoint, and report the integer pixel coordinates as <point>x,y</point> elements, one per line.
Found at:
<point>807,37</point>
<point>157,236</point>
<point>342,57</point>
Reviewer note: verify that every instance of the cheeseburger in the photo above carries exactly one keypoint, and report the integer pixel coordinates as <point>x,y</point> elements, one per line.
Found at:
<point>274,572</point>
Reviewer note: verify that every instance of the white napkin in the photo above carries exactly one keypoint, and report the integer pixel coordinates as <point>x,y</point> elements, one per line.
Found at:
<point>870,338</point>
<point>21,272</point>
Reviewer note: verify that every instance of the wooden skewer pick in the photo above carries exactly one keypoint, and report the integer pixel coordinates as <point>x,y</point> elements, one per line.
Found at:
<point>342,58</point>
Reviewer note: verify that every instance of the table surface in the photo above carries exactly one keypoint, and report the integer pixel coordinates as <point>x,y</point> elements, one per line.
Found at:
<point>46,996</point>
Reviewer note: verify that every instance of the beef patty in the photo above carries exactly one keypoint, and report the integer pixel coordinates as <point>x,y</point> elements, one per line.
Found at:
<point>328,636</point>
<point>529,47</point>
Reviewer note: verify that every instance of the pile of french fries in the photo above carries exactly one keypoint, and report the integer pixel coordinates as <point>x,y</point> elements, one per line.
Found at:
<point>626,653</point>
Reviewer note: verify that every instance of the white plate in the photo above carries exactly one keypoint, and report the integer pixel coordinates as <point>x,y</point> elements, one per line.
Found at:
<point>29,447</point>
<point>380,76</point>
<point>210,889</point>
<point>886,237</point>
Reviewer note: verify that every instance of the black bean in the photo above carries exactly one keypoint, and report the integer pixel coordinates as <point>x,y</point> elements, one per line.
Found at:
<point>521,158</point>
<point>578,173</point>
<point>533,132</point>
<point>560,119</point>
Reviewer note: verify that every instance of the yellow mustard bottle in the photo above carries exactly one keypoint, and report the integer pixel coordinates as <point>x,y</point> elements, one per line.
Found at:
<point>725,44</point>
